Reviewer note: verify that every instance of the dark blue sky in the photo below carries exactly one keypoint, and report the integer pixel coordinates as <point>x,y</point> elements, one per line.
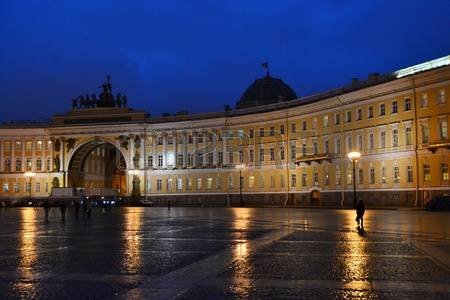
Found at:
<point>198,55</point>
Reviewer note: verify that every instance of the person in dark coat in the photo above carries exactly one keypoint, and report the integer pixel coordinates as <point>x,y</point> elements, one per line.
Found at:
<point>62,209</point>
<point>47,208</point>
<point>360,209</point>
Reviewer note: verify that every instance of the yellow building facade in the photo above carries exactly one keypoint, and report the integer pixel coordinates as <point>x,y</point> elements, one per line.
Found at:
<point>287,150</point>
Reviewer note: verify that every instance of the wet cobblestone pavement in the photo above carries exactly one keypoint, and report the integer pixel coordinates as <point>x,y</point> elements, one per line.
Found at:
<point>220,253</point>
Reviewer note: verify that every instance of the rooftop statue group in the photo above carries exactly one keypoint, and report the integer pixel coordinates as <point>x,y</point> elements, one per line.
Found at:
<point>106,98</point>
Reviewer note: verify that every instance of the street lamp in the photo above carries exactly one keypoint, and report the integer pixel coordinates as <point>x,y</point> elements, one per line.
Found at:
<point>30,175</point>
<point>354,158</point>
<point>240,167</point>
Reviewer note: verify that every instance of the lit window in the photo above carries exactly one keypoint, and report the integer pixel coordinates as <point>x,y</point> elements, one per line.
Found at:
<point>337,146</point>
<point>38,187</point>
<point>179,184</point>
<point>218,183</point>
<point>272,181</point>
<point>293,150</point>
<point>208,183</point>
<point>18,165</point>
<point>251,182</point>
<point>409,171</point>
<point>383,139</point>
<point>441,98</point>
<point>395,138</point>
<point>261,181</point>
<point>28,145</point>
<point>426,172</point>
<point>293,181</point>
<point>424,100</point>
<point>443,129</point>
<point>16,187</point>
<point>304,179</point>
<point>199,183</point>
<point>38,164</point>
<point>5,187</point>
<point>360,176</point>
<point>160,160</point>
<point>383,175</point>
<point>18,145</point>
<point>316,178</point>
<point>444,172</point>
<point>425,133</point>
<point>408,136</point>
<point>325,121</point>
<point>396,174</point>
<point>39,145</point>
<point>261,154</point>
<point>372,176</point>
<point>159,184</point>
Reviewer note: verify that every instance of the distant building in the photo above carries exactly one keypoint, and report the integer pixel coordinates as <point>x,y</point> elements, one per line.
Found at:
<point>291,149</point>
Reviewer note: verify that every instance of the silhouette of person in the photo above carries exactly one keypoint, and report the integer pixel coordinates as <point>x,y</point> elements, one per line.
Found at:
<point>360,209</point>
<point>62,209</point>
<point>47,208</point>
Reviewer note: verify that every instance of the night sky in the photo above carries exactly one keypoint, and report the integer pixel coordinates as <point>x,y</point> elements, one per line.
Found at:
<point>168,56</point>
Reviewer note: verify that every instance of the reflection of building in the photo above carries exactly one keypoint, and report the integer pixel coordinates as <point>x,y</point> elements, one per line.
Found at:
<point>293,149</point>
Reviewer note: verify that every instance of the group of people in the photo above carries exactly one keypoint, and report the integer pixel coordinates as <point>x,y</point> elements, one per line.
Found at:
<point>86,206</point>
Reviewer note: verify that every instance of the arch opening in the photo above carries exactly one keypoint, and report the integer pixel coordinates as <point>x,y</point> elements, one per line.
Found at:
<point>97,165</point>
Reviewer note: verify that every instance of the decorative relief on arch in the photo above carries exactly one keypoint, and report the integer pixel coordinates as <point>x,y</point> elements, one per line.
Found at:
<point>123,141</point>
<point>70,143</point>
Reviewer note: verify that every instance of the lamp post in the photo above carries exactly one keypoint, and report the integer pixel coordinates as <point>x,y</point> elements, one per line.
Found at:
<point>240,167</point>
<point>30,175</point>
<point>354,158</point>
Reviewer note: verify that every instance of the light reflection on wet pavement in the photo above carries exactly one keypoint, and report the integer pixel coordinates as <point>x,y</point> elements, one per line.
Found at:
<point>220,253</point>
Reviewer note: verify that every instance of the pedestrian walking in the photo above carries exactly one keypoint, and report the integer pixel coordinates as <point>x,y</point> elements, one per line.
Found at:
<point>85,207</point>
<point>169,204</point>
<point>47,208</point>
<point>77,208</point>
<point>360,209</point>
<point>62,209</point>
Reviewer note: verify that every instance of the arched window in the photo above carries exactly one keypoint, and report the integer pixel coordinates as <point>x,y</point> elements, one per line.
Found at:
<point>7,165</point>
<point>48,164</point>
<point>29,164</point>
<point>18,164</point>
<point>38,164</point>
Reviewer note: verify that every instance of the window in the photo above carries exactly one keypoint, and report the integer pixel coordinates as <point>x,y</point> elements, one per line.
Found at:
<point>326,178</point>
<point>38,187</point>
<point>261,181</point>
<point>208,183</point>
<point>337,146</point>
<point>348,116</point>
<point>211,158</point>
<point>251,157</point>
<point>282,152</point>
<point>170,158</point>
<point>188,184</point>
<point>160,160</point>
<point>282,181</point>
<point>349,175</point>
<point>293,181</point>
<point>261,154</point>
<point>39,145</point>
<point>272,154</point>
<point>315,148</point>
<point>383,139</point>
<point>293,151</point>
<point>425,133</point>
<point>179,184</point>
<point>409,171</point>
<point>46,187</point>
<point>395,138</point>
<point>272,181</point>
<point>190,139</point>
<point>28,145</point>
<point>349,144</point>
<point>360,142</point>
<point>372,176</point>
<point>7,146</point>
<point>48,164</point>
<point>293,128</point>
<point>7,165</point>
<point>170,140</point>
<point>16,187</point>
<point>49,145</point>
<point>199,183</point>
<point>314,123</point>
<point>282,129</point>
<point>359,114</point>
<point>230,158</point>
<point>337,119</point>
<point>220,157</point>
<point>160,140</point>
<point>424,100</point>
<point>444,172</point>
<point>382,109</point>
<point>396,174</point>
<point>251,182</point>
<point>394,107</point>
<point>304,149</point>
<point>190,160</point>
<point>407,104</point>
<point>383,175</point>
<point>360,176</point>
<point>426,172</point>
<point>441,97</point>
<point>443,129</point>
<point>169,184</point>
<point>408,136</point>
<point>38,164</point>
<point>5,187</point>
<point>18,165</point>
<point>199,158</point>
<point>304,179</point>
<point>327,146</point>
<point>316,178</point>
<point>218,183</point>
<point>261,132</point>
<point>149,161</point>
<point>251,133</point>
<point>338,176</point>
<point>272,131</point>
<point>159,185</point>
<point>230,182</point>
<point>304,126</point>
<point>180,159</point>
<point>18,145</point>
<point>325,121</point>
<point>370,112</point>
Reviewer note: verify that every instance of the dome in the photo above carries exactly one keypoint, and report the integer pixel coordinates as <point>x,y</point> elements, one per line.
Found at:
<point>267,90</point>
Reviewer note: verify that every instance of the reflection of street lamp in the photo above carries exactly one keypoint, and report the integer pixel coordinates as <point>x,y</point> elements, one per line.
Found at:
<point>30,175</point>
<point>354,158</point>
<point>240,167</point>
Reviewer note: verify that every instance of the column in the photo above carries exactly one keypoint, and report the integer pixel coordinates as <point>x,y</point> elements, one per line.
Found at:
<point>2,156</point>
<point>224,148</point>
<point>33,156</point>
<point>194,149</point>
<point>142,153</point>
<point>23,156</point>
<point>155,151</point>
<point>13,156</point>
<point>205,148</point>
<point>165,150</point>
<point>131,153</point>
<point>175,148</point>
<point>185,149</point>
<point>61,161</point>
<point>214,147</point>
